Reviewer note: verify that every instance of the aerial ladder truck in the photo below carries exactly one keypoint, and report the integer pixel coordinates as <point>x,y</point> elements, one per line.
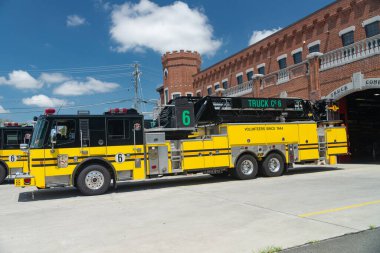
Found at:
<point>214,135</point>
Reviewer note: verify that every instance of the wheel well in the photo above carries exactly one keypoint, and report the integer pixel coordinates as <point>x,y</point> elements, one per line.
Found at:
<point>4,165</point>
<point>84,164</point>
<point>246,153</point>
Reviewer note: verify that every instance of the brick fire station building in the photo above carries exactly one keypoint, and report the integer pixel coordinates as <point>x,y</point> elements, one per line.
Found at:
<point>332,53</point>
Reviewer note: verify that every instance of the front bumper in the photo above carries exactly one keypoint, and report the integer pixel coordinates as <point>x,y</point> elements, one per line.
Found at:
<point>24,180</point>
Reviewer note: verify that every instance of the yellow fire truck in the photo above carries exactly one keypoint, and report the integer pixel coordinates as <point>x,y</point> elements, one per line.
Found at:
<point>12,159</point>
<point>218,136</point>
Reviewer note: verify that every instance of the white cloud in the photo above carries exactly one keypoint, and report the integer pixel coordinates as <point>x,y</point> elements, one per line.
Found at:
<point>75,20</point>
<point>259,35</point>
<point>90,86</point>
<point>162,28</point>
<point>21,80</point>
<point>44,101</point>
<point>53,78</point>
<point>103,5</point>
<point>2,110</point>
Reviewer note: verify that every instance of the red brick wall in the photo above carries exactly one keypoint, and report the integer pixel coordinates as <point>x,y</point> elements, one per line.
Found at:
<point>333,78</point>
<point>323,25</point>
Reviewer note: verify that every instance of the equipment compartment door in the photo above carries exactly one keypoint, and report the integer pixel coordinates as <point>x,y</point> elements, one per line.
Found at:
<point>308,142</point>
<point>336,139</point>
<point>222,153</point>
<point>158,160</point>
<point>192,155</point>
<point>208,153</point>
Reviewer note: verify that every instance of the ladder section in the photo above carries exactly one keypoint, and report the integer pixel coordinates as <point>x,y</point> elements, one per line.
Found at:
<point>176,156</point>
<point>322,143</point>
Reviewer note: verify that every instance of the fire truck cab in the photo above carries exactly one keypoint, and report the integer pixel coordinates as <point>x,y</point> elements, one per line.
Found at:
<point>12,159</point>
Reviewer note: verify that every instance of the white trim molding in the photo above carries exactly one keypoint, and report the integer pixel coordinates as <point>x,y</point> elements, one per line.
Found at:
<point>347,30</point>
<point>217,83</point>
<point>297,50</point>
<point>239,74</point>
<point>249,70</point>
<point>317,42</point>
<point>260,65</point>
<point>371,20</point>
<point>313,55</point>
<point>209,86</point>
<point>198,91</point>
<point>166,98</point>
<point>225,80</point>
<point>175,93</point>
<point>282,57</point>
<point>188,93</point>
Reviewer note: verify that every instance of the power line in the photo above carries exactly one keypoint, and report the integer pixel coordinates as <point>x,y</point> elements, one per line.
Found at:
<point>80,69</point>
<point>73,107</point>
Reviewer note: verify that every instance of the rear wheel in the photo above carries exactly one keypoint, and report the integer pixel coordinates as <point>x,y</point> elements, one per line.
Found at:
<point>246,168</point>
<point>94,180</point>
<point>273,165</point>
<point>3,173</point>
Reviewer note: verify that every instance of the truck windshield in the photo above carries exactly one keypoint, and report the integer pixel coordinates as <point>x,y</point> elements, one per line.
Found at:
<point>39,134</point>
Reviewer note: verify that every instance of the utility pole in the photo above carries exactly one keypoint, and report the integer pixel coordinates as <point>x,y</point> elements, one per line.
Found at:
<point>136,77</point>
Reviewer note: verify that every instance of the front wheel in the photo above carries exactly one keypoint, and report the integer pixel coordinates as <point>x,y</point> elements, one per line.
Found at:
<point>246,168</point>
<point>94,180</point>
<point>3,174</point>
<point>273,165</point>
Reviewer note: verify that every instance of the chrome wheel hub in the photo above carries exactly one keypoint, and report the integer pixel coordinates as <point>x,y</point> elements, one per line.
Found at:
<point>247,167</point>
<point>94,180</point>
<point>274,165</point>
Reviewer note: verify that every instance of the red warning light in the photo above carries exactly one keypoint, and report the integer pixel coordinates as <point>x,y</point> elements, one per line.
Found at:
<point>49,111</point>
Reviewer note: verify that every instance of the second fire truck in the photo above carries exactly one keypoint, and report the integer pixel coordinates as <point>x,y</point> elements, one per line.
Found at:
<point>12,159</point>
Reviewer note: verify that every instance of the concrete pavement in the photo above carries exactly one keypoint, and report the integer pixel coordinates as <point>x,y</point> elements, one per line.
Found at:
<point>194,213</point>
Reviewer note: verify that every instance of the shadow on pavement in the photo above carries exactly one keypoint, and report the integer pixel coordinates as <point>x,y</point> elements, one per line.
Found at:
<point>167,182</point>
<point>131,186</point>
<point>8,181</point>
<point>306,170</point>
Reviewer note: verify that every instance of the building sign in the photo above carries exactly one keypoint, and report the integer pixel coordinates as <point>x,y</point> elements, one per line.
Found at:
<point>358,84</point>
<point>372,83</point>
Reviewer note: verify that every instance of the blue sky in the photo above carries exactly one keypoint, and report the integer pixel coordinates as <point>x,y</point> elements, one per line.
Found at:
<point>72,53</point>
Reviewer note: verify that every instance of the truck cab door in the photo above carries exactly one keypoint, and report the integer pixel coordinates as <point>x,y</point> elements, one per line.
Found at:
<point>64,152</point>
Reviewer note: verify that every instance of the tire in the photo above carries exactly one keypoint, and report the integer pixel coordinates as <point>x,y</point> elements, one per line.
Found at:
<point>273,165</point>
<point>3,173</point>
<point>94,179</point>
<point>246,168</point>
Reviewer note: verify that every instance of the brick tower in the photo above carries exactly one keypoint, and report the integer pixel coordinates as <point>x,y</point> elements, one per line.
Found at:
<point>178,70</point>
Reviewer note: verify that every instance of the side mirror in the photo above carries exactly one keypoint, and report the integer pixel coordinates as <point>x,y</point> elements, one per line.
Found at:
<point>53,136</point>
<point>24,146</point>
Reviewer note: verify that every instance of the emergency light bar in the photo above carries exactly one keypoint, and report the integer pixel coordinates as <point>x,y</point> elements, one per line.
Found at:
<point>118,111</point>
<point>49,111</point>
<point>10,124</point>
